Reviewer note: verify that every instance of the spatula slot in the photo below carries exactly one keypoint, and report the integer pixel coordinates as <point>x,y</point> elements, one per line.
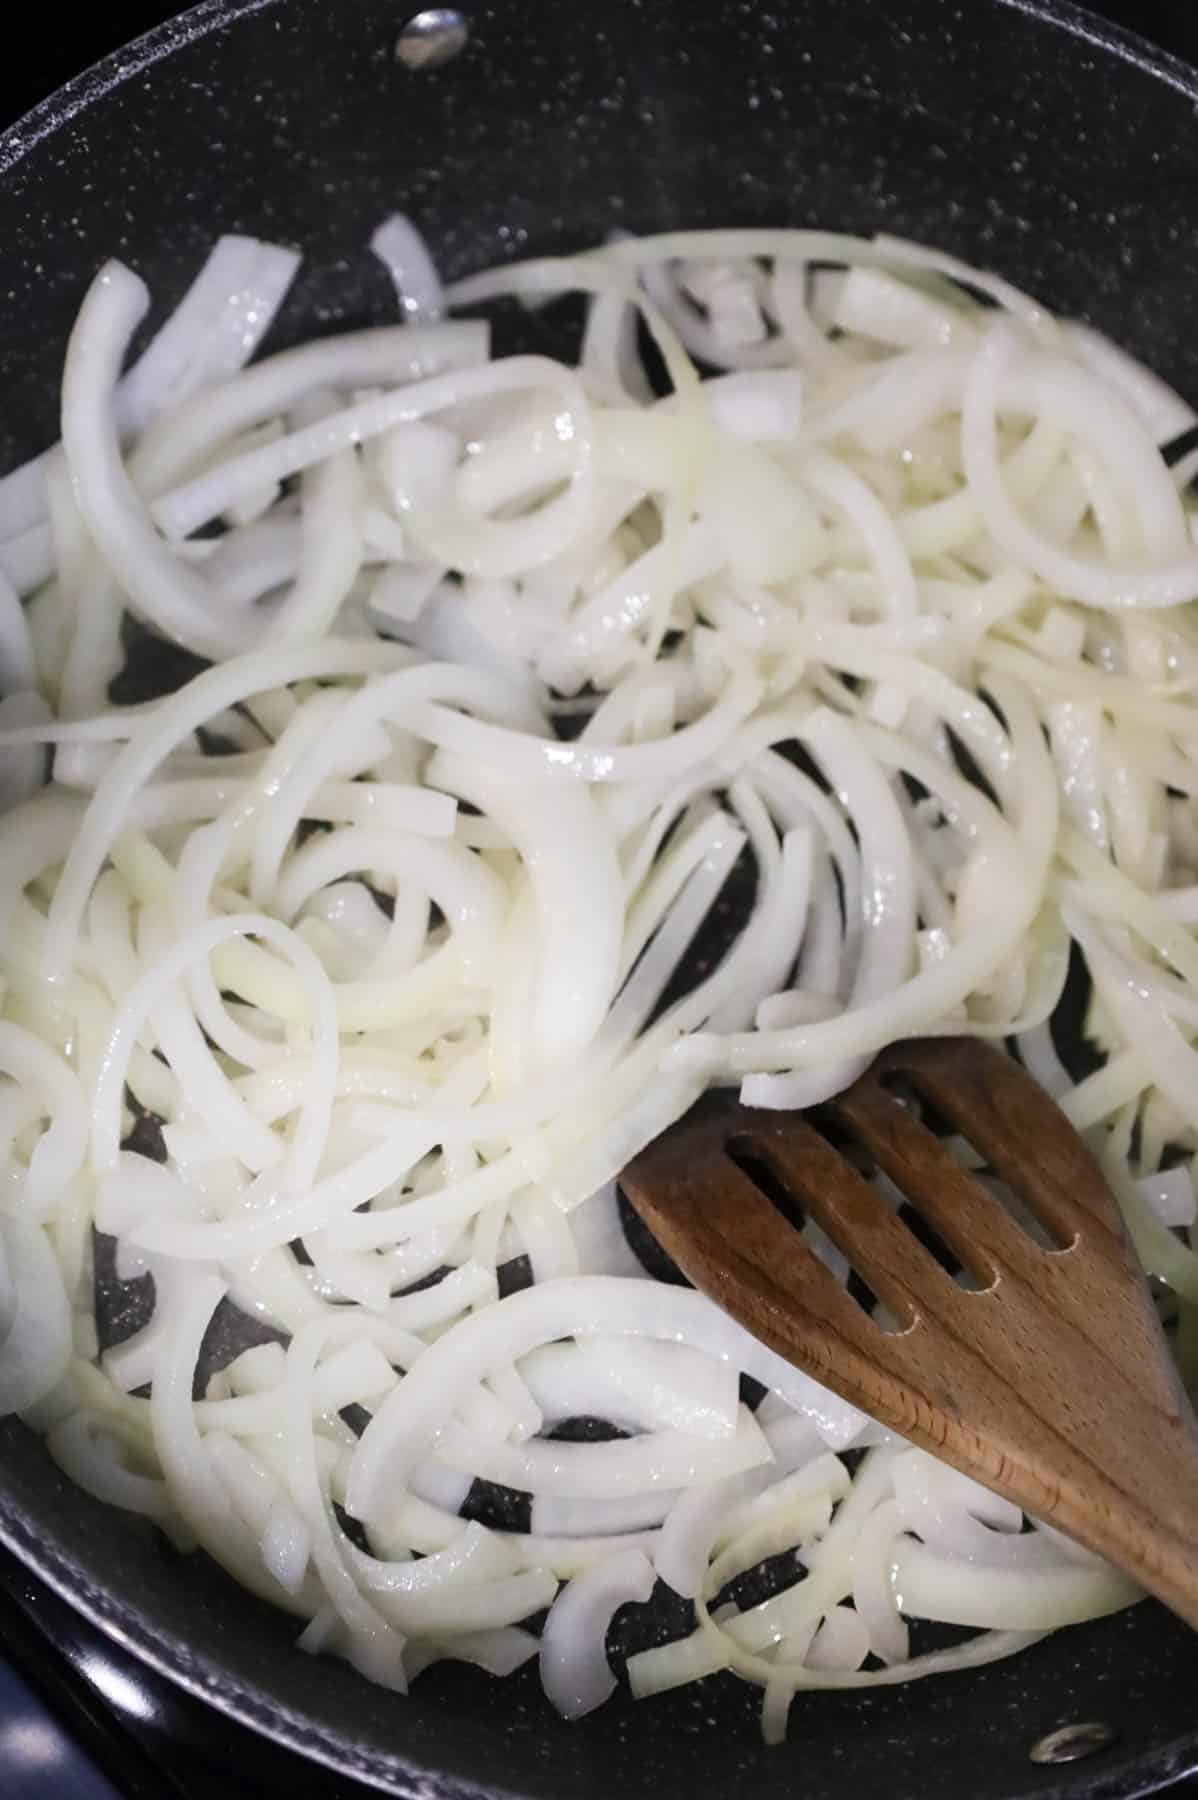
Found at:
<point>752,1157</point>
<point>1022,1197</point>
<point>839,1132</point>
<point>747,1155</point>
<point>858,1289</point>
<point>905,1208</point>
<point>905,1166</point>
<point>925,1232</point>
<point>1021,1214</point>
<point>829,1168</point>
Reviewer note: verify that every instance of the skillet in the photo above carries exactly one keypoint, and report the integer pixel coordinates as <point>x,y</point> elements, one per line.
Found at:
<point>1018,133</point>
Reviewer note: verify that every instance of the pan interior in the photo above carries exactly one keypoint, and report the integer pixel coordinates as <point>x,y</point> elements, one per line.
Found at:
<point>1013,135</point>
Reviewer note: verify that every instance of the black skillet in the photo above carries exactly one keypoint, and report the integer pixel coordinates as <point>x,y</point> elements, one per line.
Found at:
<point>1019,134</point>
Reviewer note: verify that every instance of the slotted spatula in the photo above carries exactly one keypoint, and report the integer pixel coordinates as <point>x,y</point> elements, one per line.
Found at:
<point>1052,1383</point>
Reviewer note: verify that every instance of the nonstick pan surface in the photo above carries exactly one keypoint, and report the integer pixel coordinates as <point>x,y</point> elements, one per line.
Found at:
<point>1024,136</point>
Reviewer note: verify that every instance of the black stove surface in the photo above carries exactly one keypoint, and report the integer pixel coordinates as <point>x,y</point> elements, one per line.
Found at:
<point>80,1719</point>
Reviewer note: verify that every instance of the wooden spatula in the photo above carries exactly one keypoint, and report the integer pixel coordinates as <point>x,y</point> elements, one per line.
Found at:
<point>1052,1383</point>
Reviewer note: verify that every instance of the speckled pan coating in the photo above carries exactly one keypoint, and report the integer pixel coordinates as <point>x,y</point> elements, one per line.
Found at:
<point>1022,136</point>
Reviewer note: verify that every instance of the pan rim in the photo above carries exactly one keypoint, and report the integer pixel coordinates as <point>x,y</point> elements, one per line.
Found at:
<point>168,1656</point>
<point>199,21</point>
<point>401,1773</point>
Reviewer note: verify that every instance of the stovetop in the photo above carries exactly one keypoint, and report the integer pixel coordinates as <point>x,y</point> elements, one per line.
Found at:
<point>79,1718</point>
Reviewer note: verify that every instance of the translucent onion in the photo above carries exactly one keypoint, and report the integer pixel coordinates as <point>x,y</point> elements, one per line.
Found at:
<point>734,734</point>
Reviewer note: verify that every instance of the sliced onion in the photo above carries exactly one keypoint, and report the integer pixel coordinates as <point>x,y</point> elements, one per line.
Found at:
<point>575,1672</point>
<point>387,937</point>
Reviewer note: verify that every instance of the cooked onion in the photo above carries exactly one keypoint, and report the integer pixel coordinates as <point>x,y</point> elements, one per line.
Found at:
<point>731,735</point>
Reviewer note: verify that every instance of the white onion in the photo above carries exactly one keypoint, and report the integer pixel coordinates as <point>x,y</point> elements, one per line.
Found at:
<point>396,973</point>
<point>1170,1194</point>
<point>402,250</point>
<point>641,1387</point>
<point>89,1447</point>
<point>574,1667</point>
<point>37,1343</point>
<point>936,1588</point>
<point>636,1465</point>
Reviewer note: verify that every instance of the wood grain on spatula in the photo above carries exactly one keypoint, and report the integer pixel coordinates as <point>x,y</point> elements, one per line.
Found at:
<point>1049,1379</point>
